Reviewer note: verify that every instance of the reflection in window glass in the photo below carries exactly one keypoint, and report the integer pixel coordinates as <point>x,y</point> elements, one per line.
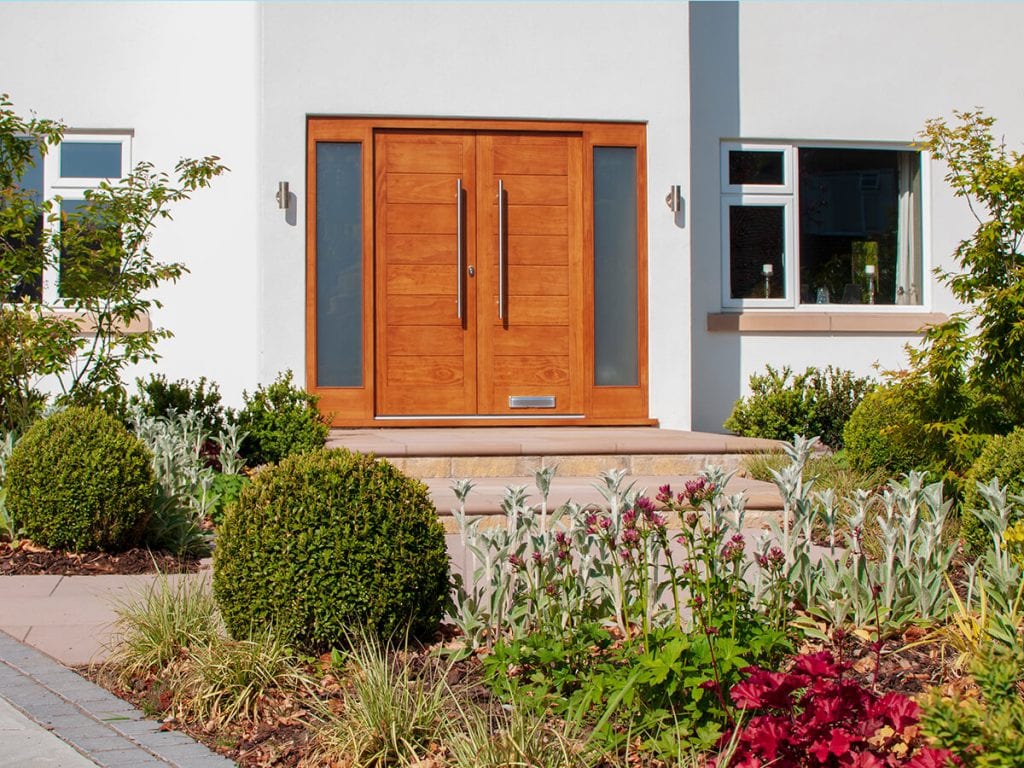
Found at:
<point>755,167</point>
<point>90,159</point>
<point>757,251</point>
<point>339,264</point>
<point>32,179</point>
<point>615,267</point>
<point>86,269</point>
<point>25,258</point>
<point>859,226</point>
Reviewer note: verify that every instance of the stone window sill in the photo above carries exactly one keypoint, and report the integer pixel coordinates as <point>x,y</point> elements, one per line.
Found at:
<point>87,324</point>
<point>823,322</point>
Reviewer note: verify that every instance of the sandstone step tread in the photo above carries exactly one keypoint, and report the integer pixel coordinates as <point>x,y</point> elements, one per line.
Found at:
<point>541,441</point>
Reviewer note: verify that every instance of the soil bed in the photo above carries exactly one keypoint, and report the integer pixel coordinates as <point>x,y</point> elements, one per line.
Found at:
<point>26,559</point>
<point>283,736</point>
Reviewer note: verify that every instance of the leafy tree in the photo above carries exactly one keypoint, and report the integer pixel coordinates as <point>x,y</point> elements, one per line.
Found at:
<point>975,359</point>
<point>107,273</point>
<point>966,379</point>
<point>33,341</point>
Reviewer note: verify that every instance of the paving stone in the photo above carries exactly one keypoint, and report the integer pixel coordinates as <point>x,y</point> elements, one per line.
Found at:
<point>127,758</point>
<point>93,695</point>
<point>195,757</point>
<point>104,740</point>
<point>134,728</point>
<point>156,742</point>
<point>75,722</point>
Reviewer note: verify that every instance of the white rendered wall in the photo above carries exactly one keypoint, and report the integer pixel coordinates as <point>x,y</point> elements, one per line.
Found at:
<point>184,77</point>
<point>839,72</point>
<point>569,60</point>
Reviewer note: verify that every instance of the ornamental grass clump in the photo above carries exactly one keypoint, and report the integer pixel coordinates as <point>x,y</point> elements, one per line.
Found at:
<point>79,480</point>
<point>228,681</point>
<point>391,713</point>
<point>329,541</point>
<point>172,614</point>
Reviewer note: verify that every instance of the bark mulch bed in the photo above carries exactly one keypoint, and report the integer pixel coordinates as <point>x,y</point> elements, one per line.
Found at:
<point>24,558</point>
<point>283,736</point>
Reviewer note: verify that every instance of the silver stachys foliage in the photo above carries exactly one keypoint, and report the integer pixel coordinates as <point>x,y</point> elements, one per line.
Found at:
<point>536,570</point>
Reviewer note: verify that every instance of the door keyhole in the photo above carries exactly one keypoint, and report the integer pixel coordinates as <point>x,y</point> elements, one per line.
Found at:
<point>471,270</point>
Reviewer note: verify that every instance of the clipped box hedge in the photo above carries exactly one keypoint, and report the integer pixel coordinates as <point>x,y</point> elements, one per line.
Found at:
<point>79,480</point>
<point>329,541</point>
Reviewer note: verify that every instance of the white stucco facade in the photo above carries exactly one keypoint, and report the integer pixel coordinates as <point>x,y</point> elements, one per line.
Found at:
<point>184,79</point>
<point>843,72</point>
<point>240,79</point>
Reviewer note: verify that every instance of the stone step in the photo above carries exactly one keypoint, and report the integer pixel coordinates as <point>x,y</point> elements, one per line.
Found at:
<point>496,458</point>
<point>579,465</point>
<point>763,501</point>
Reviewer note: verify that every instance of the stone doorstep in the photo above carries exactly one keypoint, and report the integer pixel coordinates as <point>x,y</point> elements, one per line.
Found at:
<point>441,442</point>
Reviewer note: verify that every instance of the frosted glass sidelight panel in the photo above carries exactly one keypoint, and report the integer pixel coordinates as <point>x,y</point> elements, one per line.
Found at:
<point>339,264</point>
<point>90,159</point>
<point>615,267</point>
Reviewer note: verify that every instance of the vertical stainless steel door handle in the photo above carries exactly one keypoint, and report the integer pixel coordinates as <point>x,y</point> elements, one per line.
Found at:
<point>460,236</point>
<point>502,255</point>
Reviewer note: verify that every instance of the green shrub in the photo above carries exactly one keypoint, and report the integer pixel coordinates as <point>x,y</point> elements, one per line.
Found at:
<point>79,480</point>
<point>159,398</point>
<point>884,432</point>
<point>328,541</point>
<point>815,402</point>
<point>986,731</point>
<point>280,420</point>
<point>226,489</point>
<point>1002,457</point>
<point>828,470</point>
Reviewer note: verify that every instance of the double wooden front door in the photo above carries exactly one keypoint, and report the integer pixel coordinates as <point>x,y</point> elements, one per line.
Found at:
<point>478,254</point>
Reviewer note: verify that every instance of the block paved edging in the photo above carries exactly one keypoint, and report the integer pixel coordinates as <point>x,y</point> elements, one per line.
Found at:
<point>105,729</point>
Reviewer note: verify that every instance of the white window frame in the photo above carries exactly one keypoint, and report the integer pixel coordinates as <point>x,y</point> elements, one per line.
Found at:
<point>785,188</point>
<point>57,187</point>
<point>788,193</point>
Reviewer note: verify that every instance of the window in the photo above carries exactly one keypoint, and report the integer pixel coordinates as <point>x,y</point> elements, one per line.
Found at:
<point>810,225</point>
<point>80,163</point>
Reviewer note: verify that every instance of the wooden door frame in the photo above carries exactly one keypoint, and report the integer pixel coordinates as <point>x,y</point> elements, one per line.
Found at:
<point>355,406</point>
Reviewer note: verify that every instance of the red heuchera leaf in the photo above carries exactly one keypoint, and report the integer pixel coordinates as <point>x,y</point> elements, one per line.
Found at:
<point>767,689</point>
<point>866,760</point>
<point>766,735</point>
<point>820,664</point>
<point>897,710</point>
<point>830,724</point>
<point>838,743</point>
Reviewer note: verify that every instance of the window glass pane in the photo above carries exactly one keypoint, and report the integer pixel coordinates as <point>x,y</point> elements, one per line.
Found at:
<point>25,257</point>
<point>90,159</point>
<point>32,179</point>
<point>615,267</point>
<point>757,252</point>
<point>859,227</point>
<point>85,269</point>
<point>755,167</point>
<point>339,264</point>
